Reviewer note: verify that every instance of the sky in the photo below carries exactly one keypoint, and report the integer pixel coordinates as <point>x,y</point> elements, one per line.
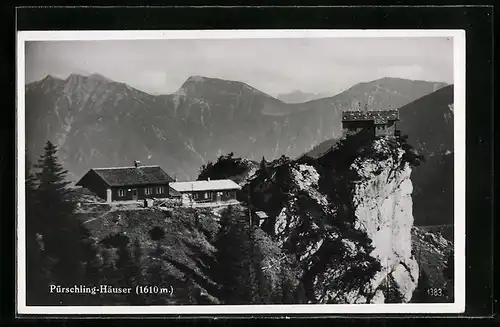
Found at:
<point>274,66</point>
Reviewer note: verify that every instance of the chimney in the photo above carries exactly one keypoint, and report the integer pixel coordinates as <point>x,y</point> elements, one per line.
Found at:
<point>208,179</point>
<point>137,163</point>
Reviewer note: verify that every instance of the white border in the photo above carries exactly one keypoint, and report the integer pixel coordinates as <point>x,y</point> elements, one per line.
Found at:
<point>459,187</point>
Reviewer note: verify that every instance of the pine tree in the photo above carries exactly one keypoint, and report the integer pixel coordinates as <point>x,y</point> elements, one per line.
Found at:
<point>63,235</point>
<point>236,271</point>
<point>263,167</point>
<point>36,266</point>
<point>52,184</point>
<point>287,290</point>
<point>261,290</point>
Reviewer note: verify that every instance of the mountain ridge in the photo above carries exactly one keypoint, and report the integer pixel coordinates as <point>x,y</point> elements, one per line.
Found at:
<point>202,78</point>
<point>100,122</point>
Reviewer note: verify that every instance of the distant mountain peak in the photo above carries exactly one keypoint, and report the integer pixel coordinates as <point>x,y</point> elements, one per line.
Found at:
<point>398,79</point>
<point>298,96</point>
<point>92,77</point>
<point>201,84</point>
<point>100,77</point>
<point>196,78</point>
<point>74,75</point>
<point>48,78</point>
<point>48,82</point>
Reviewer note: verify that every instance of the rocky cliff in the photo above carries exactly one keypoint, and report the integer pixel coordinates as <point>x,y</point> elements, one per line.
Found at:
<point>347,218</point>
<point>383,209</point>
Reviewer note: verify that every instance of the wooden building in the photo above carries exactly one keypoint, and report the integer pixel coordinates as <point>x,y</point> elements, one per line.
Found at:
<point>260,217</point>
<point>207,192</point>
<point>127,183</point>
<point>380,122</point>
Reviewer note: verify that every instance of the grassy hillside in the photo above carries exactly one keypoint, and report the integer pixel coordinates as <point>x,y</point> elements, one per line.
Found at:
<point>188,252</point>
<point>189,260</point>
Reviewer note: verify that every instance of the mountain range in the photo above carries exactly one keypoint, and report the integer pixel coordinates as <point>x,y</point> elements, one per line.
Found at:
<point>98,122</point>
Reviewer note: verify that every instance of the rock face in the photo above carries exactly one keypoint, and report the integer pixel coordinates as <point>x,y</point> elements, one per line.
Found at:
<point>383,208</point>
<point>347,217</point>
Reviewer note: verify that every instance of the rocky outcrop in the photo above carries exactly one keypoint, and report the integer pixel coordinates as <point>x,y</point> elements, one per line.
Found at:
<point>383,209</point>
<point>347,218</point>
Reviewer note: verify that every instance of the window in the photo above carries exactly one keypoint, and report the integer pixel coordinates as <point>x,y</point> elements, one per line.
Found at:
<point>159,190</point>
<point>121,192</point>
<point>148,190</point>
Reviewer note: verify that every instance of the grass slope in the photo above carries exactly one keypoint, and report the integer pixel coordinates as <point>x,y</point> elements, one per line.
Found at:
<point>187,242</point>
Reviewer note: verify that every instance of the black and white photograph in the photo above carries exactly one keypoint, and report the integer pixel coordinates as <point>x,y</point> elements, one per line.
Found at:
<point>241,171</point>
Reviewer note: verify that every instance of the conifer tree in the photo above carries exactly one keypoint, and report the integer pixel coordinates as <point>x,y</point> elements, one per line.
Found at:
<point>36,267</point>
<point>63,235</point>
<point>261,290</point>
<point>236,272</point>
<point>263,167</point>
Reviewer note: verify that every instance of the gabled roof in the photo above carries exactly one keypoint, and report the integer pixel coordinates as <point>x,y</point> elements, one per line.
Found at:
<point>212,185</point>
<point>376,115</point>
<point>128,176</point>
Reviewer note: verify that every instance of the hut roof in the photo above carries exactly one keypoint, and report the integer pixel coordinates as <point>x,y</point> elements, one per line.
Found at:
<point>128,176</point>
<point>211,185</point>
<point>378,116</point>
